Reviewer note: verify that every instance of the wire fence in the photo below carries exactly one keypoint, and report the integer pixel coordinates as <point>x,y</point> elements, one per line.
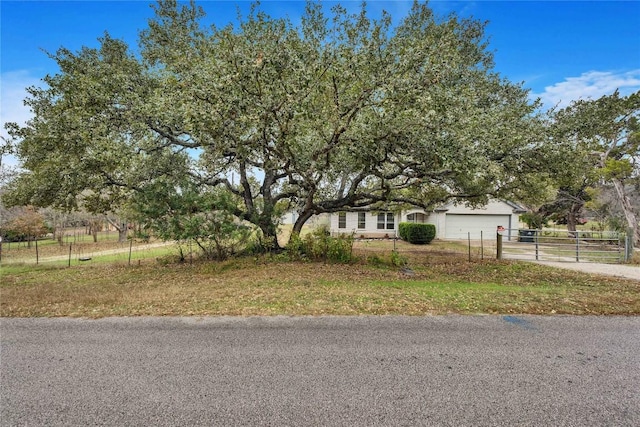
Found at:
<point>522,244</point>
<point>50,252</point>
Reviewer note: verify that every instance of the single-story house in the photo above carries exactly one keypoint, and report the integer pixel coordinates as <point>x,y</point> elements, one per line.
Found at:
<point>452,221</point>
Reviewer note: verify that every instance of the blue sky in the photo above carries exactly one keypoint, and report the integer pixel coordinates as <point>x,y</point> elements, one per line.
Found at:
<point>560,50</point>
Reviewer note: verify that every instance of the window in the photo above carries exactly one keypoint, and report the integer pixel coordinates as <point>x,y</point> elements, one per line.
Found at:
<point>362,220</point>
<point>417,217</point>
<point>390,222</point>
<point>342,220</point>
<point>385,221</point>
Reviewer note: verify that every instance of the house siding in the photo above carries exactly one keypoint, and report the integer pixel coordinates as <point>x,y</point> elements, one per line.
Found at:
<point>371,225</point>
<point>495,208</point>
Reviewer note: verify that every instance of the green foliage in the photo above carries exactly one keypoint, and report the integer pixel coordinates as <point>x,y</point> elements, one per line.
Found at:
<point>340,112</point>
<point>258,245</point>
<point>403,230</point>
<point>417,233</point>
<point>321,246</point>
<point>598,145</point>
<point>617,223</point>
<point>375,260</point>
<point>180,211</point>
<point>534,220</point>
<point>395,259</point>
<point>398,260</point>
<point>618,169</point>
<point>296,249</point>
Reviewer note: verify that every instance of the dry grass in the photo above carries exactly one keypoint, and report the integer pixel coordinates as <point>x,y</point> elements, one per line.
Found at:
<point>50,251</point>
<point>443,281</point>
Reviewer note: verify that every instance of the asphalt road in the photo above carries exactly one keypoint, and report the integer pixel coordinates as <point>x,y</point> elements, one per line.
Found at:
<point>329,371</point>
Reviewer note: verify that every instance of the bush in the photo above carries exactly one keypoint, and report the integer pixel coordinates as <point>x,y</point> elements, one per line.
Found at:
<point>375,260</point>
<point>319,245</point>
<point>296,249</point>
<point>418,234</point>
<point>398,260</point>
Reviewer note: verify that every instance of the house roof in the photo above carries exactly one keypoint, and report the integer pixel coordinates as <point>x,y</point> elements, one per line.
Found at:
<point>516,207</point>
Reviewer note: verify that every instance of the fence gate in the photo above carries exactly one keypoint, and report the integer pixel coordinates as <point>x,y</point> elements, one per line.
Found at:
<point>563,245</point>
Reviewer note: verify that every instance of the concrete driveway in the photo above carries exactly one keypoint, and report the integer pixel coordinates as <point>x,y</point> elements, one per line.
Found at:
<point>618,270</point>
<point>327,371</point>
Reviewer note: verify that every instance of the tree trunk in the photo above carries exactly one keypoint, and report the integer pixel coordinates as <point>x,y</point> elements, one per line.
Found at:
<point>300,222</point>
<point>572,218</point>
<point>269,235</point>
<point>58,234</point>
<point>121,227</point>
<point>630,216</point>
<point>122,232</point>
<point>95,225</point>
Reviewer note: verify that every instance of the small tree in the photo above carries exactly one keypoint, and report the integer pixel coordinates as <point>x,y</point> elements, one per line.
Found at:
<point>534,220</point>
<point>182,212</point>
<point>28,226</point>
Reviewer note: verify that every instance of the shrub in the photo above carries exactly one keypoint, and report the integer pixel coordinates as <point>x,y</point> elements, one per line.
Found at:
<point>398,260</point>
<point>340,249</point>
<point>418,234</point>
<point>374,260</point>
<point>296,248</point>
<point>319,245</point>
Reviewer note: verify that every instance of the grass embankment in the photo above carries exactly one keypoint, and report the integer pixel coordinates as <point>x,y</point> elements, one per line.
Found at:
<point>443,281</point>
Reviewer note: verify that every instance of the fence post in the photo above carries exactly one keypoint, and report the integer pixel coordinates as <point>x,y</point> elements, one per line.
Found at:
<point>628,245</point>
<point>577,246</point>
<point>499,245</point>
<point>481,246</point>
<point>622,252</point>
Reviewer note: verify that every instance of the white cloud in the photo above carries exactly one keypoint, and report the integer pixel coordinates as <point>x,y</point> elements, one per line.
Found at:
<point>590,85</point>
<point>13,86</point>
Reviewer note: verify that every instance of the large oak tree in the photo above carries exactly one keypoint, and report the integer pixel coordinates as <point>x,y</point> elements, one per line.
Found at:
<point>341,112</point>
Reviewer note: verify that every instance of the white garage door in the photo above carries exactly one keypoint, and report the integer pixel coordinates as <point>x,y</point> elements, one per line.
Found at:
<point>458,225</point>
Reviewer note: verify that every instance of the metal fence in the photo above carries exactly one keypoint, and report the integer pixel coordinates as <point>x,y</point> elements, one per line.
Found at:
<point>563,245</point>
<point>50,252</point>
